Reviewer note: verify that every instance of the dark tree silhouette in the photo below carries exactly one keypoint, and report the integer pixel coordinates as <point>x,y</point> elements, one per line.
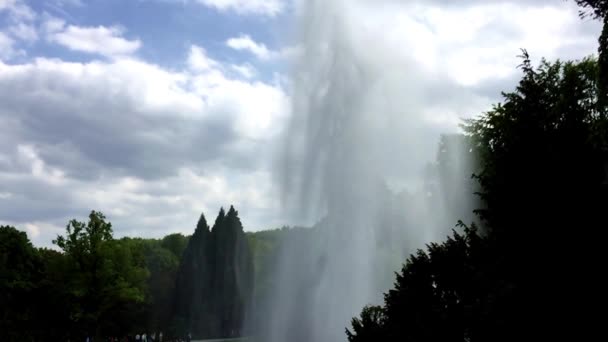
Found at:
<point>19,274</point>
<point>193,284</point>
<point>544,187</point>
<point>215,281</point>
<point>594,8</point>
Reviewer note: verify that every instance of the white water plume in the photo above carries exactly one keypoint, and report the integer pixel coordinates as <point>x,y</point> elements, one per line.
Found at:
<point>353,165</point>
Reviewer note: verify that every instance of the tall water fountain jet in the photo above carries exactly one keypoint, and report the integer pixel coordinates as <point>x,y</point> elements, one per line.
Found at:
<point>355,128</point>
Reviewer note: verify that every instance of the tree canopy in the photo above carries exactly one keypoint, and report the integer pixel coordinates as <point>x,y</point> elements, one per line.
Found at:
<point>96,285</point>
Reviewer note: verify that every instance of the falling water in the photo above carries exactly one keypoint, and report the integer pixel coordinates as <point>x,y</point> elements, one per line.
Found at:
<point>353,165</point>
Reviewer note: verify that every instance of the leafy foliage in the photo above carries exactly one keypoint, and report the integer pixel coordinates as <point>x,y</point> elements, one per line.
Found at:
<point>441,294</point>
<point>104,277</point>
<point>19,274</point>
<point>595,8</point>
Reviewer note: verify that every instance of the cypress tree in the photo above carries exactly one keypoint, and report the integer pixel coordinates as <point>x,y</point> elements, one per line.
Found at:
<point>233,273</point>
<point>214,285</point>
<point>191,312</point>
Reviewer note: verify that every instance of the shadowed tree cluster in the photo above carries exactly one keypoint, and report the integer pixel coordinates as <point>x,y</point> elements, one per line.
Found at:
<point>214,285</point>
<point>98,286</point>
<point>93,287</point>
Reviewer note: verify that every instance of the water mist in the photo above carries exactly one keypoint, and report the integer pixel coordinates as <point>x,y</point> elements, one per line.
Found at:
<point>353,166</point>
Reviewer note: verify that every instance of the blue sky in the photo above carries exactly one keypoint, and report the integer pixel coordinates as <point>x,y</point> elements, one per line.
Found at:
<point>152,111</point>
<point>166,28</point>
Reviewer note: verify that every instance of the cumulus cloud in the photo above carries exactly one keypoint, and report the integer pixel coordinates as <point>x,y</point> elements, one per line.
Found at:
<point>148,146</point>
<point>198,60</point>
<point>76,3</point>
<point>24,32</point>
<point>18,10</point>
<point>102,40</point>
<point>257,7</point>
<point>21,18</point>
<point>474,41</point>
<point>51,25</point>
<point>245,70</point>
<point>245,43</point>
<point>211,82</point>
<point>7,47</point>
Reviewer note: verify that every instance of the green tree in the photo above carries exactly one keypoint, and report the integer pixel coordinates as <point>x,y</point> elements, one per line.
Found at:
<point>192,307</point>
<point>441,294</point>
<point>54,302</point>
<point>544,187</point>
<point>542,152</point>
<point>234,273</point>
<point>370,327</point>
<point>214,285</point>
<point>598,9</point>
<point>104,278</point>
<point>20,270</point>
<point>175,243</point>
<point>162,266</point>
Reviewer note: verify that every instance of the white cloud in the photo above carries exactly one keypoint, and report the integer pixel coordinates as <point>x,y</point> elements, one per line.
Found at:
<point>246,43</point>
<point>52,24</point>
<point>261,106</point>
<point>33,230</point>
<point>106,41</point>
<point>256,7</point>
<point>245,70</point>
<point>76,3</point>
<point>148,146</point>
<point>18,10</point>
<point>40,233</point>
<point>28,155</point>
<point>21,27</point>
<point>199,61</point>
<point>24,31</point>
<point>476,42</point>
<point>7,47</point>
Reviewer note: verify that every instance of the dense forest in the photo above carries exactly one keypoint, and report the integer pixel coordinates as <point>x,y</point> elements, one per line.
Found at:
<point>96,285</point>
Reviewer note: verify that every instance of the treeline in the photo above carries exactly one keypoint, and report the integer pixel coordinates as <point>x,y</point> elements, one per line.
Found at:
<point>96,285</point>
<point>531,269</point>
